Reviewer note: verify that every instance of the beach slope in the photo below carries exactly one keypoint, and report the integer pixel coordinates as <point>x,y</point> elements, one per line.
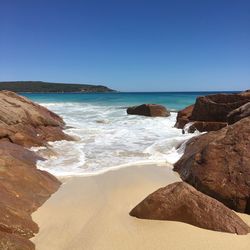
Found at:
<point>92,213</point>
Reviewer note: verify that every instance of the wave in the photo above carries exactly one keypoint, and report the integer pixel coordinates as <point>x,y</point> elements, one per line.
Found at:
<point>108,138</point>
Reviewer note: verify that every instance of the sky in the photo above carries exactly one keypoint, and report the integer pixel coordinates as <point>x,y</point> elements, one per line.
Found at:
<point>139,45</point>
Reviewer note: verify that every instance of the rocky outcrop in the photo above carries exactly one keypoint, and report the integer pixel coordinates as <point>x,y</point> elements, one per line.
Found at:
<point>23,188</point>
<point>181,202</point>
<point>148,110</point>
<point>183,116</point>
<point>239,113</point>
<point>27,123</point>
<point>210,113</point>
<point>205,126</point>
<point>216,107</point>
<point>218,164</point>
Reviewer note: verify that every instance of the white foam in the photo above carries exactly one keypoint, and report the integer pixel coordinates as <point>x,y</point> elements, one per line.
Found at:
<point>116,140</point>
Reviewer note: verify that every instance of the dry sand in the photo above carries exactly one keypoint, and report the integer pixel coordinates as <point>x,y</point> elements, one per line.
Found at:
<point>92,213</point>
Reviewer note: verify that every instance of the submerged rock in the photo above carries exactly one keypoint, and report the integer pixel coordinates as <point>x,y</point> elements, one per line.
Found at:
<point>181,202</point>
<point>218,164</point>
<point>148,110</point>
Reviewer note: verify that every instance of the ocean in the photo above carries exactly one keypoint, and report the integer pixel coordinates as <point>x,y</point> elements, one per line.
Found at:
<point>107,137</point>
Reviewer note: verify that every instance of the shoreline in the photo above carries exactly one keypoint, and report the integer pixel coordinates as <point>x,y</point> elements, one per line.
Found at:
<point>92,212</point>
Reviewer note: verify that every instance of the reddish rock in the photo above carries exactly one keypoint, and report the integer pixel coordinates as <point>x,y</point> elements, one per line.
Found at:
<point>206,126</point>
<point>216,107</point>
<point>218,164</point>
<point>14,242</point>
<point>181,202</point>
<point>27,123</point>
<point>239,113</point>
<point>210,113</point>
<point>149,110</point>
<point>183,116</point>
<point>23,188</point>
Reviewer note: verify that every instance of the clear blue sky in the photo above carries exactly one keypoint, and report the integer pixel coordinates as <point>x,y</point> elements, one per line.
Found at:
<point>129,45</point>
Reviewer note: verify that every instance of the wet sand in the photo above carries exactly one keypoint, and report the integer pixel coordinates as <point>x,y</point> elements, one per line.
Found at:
<point>92,213</point>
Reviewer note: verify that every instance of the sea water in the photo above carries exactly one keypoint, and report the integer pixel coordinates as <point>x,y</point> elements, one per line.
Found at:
<point>106,137</point>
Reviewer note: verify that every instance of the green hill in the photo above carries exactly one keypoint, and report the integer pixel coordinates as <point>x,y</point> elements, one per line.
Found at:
<point>49,87</point>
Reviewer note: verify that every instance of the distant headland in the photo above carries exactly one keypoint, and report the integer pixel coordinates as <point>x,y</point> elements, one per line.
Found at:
<point>49,87</point>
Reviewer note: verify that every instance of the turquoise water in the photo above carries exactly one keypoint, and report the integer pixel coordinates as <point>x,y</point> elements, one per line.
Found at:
<point>172,100</point>
<point>107,137</point>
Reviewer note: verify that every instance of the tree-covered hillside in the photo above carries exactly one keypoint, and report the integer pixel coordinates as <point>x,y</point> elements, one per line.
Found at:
<point>48,87</point>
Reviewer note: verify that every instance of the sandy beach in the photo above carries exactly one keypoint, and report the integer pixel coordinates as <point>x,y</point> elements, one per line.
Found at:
<point>92,213</point>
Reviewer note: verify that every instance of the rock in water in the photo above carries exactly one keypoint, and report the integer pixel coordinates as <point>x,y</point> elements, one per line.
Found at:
<point>216,107</point>
<point>183,116</point>
<point>210,113</point>
<point>181,202</point>
<point>148,110</point>
<point>218,164</point>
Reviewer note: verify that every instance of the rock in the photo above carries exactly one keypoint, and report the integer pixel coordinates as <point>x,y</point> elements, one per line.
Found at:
<point>206,126</point>
<point>27,123</point>
<point>218,164</point>
<point>181,202</point>
<point>23,188</point>
<point>210,113</point>
<point>183,116</point>
<point>14,242</point>
<point>148,110</point>
<point>216,107</point>
<point>239,113</point>
<point>245,93</point>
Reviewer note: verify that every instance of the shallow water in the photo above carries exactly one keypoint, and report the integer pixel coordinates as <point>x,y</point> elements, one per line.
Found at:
<point>107,137</point>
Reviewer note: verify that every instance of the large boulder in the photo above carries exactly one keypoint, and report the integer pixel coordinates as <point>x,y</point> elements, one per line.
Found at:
<point>239,113</point>
<point>183,116</point>
<point>218,164</point>
<point>148,110</point>
<point>23,188</point>
<point>216,107</point>
<point>205,126</point>
<point>27,123</point>
<point>210,113</point>
<point>181,202</point>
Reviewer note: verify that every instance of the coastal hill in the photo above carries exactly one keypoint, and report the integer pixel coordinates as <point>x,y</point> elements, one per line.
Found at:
<point>49,87</point>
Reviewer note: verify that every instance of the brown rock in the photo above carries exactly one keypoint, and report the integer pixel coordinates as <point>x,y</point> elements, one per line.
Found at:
<point>218,164</point>
<point>23,188</point>
<point>217,107</point>
<point>181,202</point>
<point>239,113</point>
<point>14,242</point>
<point>210,113</point>
<point>206,126</point>
<point>27,123</point>
<point>183,116</point>
<point>149,110</point>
